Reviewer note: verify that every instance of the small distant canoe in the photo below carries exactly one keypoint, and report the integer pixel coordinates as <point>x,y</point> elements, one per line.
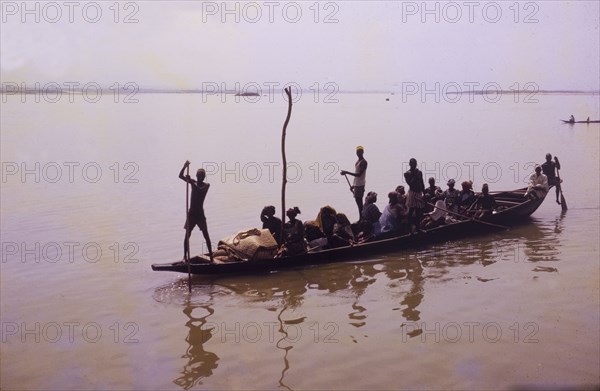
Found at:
<point>516,209</point>
<point>580,122</point>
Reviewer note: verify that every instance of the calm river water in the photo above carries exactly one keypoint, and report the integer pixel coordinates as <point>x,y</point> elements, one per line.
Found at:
<point>90,199</point>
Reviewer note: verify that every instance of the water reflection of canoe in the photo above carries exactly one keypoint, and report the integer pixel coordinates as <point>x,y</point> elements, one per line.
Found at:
<point>580,122</point>
<point>514,209</point>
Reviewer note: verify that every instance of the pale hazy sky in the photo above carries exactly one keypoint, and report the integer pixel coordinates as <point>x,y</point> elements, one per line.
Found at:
<point>368,45</point>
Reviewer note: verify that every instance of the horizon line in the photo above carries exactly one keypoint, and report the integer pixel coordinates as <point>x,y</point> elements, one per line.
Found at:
<point>158,90</point>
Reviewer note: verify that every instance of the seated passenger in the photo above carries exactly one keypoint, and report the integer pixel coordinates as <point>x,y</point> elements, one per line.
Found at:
<point>435,218</point>
<point>326,220</point>
<point>370,211</point>
<point>402,213</point>
<point>342,232</point>
<point>312,231</point>
<point>401,193</point>
<point>466,197</point>
<point>538,184</point>
<point>389,220</point>
<point>451,196</point>
<point>314,236</point>
<point>485,202</point>
<point>431,194</point>
<point>368,226</point>
<point>293,234</point>
<point>270,222</point>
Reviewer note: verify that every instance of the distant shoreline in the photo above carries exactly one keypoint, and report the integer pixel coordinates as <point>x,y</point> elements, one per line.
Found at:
<point>238,93</point>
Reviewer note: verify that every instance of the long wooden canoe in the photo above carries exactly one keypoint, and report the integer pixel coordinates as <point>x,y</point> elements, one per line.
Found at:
<point>580,122</point>
<point>516,210</point>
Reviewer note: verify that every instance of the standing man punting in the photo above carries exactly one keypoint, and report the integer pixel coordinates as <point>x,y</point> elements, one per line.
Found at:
<point>196,213</point>
<point>360,178</point>
<point>549,168</point>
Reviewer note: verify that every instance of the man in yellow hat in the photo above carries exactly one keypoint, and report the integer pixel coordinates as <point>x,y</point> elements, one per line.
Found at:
<point>360,178</point>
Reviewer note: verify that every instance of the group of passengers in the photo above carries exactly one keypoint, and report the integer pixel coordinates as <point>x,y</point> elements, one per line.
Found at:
<point>329,230</point>
<point>332,229</point>
<point>409,212</point>
<point>421,208</point>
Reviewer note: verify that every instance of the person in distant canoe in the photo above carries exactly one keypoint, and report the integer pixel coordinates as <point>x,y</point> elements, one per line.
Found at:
<point>538,184</point>
<point>414,199</point>
<point>549,168</point>
<point>571,118</point>
<point>587,120</point>
<point>270,222</point>
<point>196,215</point>
<point>360,178</point>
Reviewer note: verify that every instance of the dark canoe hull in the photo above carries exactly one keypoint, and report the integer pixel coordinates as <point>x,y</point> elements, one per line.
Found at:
<point>580,122</point>
<point>518,212</point>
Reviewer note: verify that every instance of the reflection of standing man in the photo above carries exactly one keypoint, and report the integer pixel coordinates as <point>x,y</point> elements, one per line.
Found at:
<point>549,169</point>
<point>196,213</point>
<point>200,364</point>
<point>360,178</point>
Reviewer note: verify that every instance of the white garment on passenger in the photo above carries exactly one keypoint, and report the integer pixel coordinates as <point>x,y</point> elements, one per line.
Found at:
<point>362,179</point>
<point>535,180</point>
<point>439,211</point>
<point>388,221</point>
